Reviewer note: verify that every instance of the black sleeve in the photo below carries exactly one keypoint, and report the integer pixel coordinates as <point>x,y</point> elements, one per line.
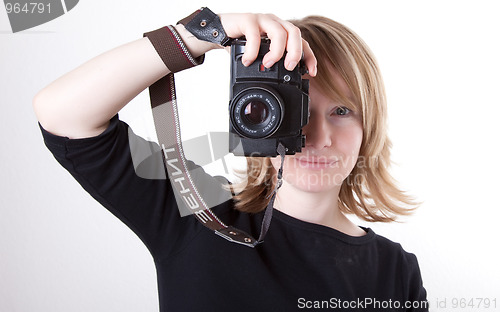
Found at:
<point>415,291</point>
<point>104,167</point>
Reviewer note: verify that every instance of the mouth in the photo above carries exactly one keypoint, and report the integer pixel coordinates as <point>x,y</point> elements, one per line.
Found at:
<point>315,162</point>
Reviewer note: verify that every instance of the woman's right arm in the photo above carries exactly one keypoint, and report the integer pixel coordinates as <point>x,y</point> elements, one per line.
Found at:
<point>81,103</point>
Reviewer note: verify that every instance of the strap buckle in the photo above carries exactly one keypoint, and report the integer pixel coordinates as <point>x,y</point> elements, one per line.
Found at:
<point>235,235</point>
<point>206,25</point>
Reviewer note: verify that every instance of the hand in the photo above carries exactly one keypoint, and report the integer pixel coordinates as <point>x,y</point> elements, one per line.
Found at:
<point>284,37</point>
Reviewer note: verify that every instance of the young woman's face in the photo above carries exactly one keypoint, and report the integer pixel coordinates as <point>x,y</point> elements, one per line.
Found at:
<point>333,139</point>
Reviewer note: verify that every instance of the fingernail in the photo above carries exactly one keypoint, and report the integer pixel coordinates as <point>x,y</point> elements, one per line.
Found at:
<point>291,65</point>
<point>268,64</point>
<point>245,62</point>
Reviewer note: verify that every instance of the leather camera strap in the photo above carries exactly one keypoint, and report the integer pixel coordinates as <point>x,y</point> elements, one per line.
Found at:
<point>170,47</point>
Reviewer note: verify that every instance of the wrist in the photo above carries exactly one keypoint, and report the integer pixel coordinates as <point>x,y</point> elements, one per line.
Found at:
<point>172,49</point>
<point>195,46</point>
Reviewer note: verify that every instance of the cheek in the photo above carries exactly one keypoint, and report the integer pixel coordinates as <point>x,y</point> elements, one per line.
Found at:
<point>348,142</point>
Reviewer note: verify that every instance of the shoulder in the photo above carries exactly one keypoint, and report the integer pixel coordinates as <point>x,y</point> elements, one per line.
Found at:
<point>61,144</point>
<point>389,249</point>
<point>405,266</point>
<point>387,245</point>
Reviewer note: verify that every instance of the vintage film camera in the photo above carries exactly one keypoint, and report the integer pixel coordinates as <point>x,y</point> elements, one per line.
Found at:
<point>267,105</point>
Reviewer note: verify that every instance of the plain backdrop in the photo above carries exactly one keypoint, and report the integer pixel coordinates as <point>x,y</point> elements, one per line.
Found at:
<point>61,251</point>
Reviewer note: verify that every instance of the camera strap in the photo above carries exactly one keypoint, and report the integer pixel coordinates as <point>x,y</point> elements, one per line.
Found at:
<point>169,45</point>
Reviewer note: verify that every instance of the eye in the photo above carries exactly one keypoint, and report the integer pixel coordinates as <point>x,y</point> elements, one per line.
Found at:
<point>341,111</point>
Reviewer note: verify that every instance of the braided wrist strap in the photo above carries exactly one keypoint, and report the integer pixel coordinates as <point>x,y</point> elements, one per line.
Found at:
<point>172,50</point>
<point>203,24</point>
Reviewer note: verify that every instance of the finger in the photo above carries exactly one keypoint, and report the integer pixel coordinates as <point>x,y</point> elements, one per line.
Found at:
<point>252,46</point>
<point>237,25</point>
<point>309,59</point>
<point>293,45</point>
<point>278,36</point>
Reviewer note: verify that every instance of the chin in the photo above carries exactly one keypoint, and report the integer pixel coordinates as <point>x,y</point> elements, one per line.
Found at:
<point>314,181</point>
<point>312,178</point>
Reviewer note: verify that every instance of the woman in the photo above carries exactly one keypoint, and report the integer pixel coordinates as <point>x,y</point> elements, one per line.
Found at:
<point>312,256</point>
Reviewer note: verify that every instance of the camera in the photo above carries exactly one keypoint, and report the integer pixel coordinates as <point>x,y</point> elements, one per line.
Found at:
<point>267,105</point>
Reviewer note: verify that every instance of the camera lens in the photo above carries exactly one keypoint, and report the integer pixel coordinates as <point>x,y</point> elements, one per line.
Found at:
<point>256,112</point>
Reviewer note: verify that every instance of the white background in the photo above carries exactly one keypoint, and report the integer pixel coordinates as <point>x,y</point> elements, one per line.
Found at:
<point>61,251</point>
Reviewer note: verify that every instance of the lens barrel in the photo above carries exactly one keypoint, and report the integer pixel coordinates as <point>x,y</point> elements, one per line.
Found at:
<point>256,112</point>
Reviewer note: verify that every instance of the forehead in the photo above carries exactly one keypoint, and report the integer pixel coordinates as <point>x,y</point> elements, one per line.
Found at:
<point>331,85</point>
<point>340,83</point>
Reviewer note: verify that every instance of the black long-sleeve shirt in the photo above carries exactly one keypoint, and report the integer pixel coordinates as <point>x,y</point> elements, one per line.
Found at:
<point>300,266</point>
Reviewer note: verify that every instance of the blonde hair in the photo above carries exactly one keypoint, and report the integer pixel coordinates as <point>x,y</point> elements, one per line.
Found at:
<point>369,192</point>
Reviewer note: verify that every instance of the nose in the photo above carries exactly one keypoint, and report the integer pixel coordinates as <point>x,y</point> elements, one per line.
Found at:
<point>318,133</point>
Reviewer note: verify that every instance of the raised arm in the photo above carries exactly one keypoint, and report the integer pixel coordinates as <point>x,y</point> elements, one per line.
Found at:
<point>81,103</point>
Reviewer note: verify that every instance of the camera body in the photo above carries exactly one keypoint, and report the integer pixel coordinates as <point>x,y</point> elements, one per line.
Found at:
<point>267,105</point>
